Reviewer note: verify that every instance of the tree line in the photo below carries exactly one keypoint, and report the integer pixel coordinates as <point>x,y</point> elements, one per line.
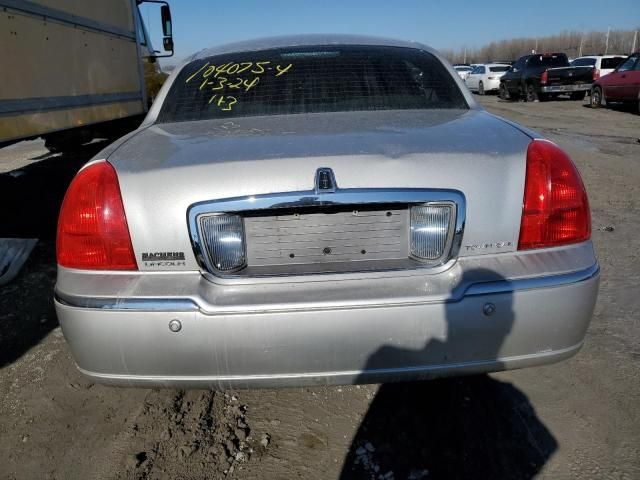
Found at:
<point>574,44</point>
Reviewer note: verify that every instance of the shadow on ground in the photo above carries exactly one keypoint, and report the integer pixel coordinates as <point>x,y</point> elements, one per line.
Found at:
<point>618,107</point>
<point>474,427</point>
<point>31,197</point>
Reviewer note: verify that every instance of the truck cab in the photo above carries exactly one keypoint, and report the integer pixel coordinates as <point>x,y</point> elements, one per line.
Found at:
<point>77,69</point>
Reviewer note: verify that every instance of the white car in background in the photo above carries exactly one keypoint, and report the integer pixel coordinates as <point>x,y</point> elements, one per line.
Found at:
<point>603,64</point>
<point>486,77</point>
<point>463,70</point>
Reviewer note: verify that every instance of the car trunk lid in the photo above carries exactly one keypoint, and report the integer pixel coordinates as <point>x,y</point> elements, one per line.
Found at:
<point>167,168</point>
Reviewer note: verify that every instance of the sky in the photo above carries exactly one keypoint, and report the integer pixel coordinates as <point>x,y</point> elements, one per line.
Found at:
<point>440,24</point>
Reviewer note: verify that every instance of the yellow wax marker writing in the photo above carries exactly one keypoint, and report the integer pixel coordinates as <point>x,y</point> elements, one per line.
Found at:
<point>221,68</point>
<point>247,65</point>
<point>199,70</point>
<point>221,82</point>
<point>260,67</point>
<point>232,102</point>
<point>237,84</point>
<point>240,83</point>
<point>251,84</point>
<point>283,70</point>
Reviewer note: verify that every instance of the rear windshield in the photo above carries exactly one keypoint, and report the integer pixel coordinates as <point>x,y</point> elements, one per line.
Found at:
<point>499,69</point>
<point>584,62</point>
<point>309,80</point>
<point>611,63</point>
<point>549,61</point>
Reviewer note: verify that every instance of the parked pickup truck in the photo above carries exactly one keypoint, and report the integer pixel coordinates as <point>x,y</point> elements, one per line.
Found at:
<point>541,76</point>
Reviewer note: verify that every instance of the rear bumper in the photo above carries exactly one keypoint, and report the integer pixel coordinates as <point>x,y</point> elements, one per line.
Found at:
<point>491,85</point>
<point>534,321</point>
<point>566,88</point>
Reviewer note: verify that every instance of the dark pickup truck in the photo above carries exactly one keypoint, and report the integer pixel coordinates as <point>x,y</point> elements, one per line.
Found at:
<point>544,76</point>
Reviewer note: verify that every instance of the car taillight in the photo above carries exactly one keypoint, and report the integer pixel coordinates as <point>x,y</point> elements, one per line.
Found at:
<point>544,78</point>
<point>92,227</point>
<point>556,209</point>
<point>596,74</point>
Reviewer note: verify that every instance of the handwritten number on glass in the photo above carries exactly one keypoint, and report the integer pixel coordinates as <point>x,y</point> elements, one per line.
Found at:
<point>225,103</point>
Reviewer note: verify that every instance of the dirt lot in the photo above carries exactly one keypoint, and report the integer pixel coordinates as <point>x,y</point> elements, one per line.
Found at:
<point>577,419</point>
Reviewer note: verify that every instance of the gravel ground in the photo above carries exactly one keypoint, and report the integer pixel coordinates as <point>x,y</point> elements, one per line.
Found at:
<point>577,419</point>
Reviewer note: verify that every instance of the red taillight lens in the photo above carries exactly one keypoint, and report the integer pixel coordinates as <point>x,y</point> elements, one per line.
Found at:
<point>556,209</point>
<point>596,74</point>
<point>92,227</point>
<point>544,78</point>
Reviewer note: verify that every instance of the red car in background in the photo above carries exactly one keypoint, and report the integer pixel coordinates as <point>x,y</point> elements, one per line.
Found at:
<point>621,85</point>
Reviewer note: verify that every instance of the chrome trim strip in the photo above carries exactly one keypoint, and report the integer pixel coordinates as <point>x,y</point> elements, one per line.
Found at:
<point>20,106</point>
<point>189,305</point>
<point>339,197</point>
<point>128,304</point>
<point>32,8</point>
<point>566,88</point>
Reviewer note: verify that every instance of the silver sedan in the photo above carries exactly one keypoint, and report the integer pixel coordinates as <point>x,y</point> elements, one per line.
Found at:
<point>322,210</point>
